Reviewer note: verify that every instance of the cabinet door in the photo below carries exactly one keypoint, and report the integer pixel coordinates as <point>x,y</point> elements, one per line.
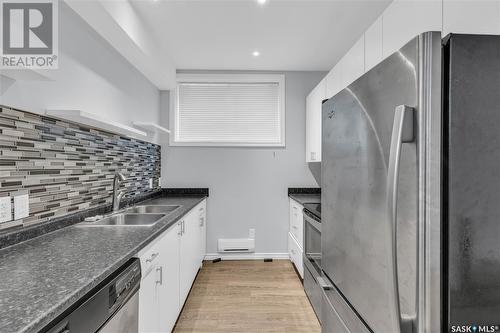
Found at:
<point>149,313</point>
<point>471,17</point>
<point>333,81</point>
<point>296,221</point>
<point>189,254</point>
<point>353,63</point>
<point>296,254</point>
<point>202,222</point>
<point>168,279</point>
<point>373,45</point>
<point>405,19</point>
<point>313,122</point>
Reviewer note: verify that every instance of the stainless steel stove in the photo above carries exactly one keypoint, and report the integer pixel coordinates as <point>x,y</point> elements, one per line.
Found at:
<point>312,255</point>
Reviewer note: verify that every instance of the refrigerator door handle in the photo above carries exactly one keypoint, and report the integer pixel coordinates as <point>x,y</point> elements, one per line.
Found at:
<point>402,132</point>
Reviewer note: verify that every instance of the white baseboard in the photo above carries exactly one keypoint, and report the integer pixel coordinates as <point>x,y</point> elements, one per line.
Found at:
<point>246,256</point>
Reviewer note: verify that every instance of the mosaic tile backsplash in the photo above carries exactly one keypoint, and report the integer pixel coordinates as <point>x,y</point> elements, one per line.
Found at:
<point>66,167</point>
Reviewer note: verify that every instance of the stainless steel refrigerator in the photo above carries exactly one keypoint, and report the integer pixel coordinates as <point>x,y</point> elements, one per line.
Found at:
<point>411,191</point>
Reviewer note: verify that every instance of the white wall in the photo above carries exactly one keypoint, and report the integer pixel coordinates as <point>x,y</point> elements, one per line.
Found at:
<point>248,186</point>
<point>92,77</point>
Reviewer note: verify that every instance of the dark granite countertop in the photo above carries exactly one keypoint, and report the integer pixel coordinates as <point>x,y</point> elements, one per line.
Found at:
<point>302,198</point>
<point>42,277</point>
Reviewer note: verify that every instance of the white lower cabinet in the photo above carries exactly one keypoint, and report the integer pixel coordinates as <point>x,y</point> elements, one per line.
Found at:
<point>297,222</point>
<point>169,266</point>
<point>168,286</point>
<point>149,308</point>
<point>295,252</point>
<point>295,236</point>
<point>202,218</point>
<point>189,260</point>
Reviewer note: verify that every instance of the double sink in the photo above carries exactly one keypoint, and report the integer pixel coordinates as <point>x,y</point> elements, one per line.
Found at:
<point>138,216</point>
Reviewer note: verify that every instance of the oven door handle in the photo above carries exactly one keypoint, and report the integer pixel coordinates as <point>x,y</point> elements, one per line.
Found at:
<point>313,222</point>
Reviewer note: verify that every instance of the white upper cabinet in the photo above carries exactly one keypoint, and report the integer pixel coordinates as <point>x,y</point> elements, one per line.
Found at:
<point>353,63</point>
<point>399,23</point>
<point>471,17</point>
<point>405,19</point>
<point>313,122</point>
<point>373,45</point>
<point>333,81</point>
<point>347,70</point>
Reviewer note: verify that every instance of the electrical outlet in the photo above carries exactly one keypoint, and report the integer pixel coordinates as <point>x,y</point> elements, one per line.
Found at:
<point>150,182</point>
<point>21,206</point>
<point>251,233</point>
<point>5,209</point>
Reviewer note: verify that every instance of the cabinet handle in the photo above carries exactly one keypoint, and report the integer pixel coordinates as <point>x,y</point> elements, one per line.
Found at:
<point>153,256</point>
<point>202,221</point>
<point>180,229</point>
<point>160,270</point>
<point>313,156</point>
<point>183,227</point>
<point>293,251</point>
<point>294,226</point>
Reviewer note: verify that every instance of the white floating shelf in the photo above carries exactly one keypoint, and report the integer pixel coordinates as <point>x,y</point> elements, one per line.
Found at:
<point>92,120</point>
<point>150,127</point>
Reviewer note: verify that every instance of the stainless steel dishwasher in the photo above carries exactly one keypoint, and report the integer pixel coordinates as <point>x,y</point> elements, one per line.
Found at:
<point>112,307</point>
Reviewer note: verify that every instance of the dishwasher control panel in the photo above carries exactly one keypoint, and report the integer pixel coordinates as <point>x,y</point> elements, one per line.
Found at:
<point>124,286</point>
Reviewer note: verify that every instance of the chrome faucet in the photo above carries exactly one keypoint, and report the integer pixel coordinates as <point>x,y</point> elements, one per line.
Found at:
<point>117,196</point>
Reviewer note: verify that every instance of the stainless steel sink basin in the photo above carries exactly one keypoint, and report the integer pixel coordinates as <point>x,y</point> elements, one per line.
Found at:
<point>136,220</point>
<point>151,209</point>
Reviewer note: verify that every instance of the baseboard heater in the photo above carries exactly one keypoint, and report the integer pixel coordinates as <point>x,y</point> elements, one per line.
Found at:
<point>236,245</point>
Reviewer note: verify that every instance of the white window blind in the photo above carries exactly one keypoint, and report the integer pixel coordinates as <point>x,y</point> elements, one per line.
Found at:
<point>230,110</point>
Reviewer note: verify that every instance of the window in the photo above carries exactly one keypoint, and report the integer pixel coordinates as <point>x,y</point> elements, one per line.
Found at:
<point>228,110</point>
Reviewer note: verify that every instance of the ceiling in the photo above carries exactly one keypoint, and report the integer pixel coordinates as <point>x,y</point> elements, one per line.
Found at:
<point>290,35</point>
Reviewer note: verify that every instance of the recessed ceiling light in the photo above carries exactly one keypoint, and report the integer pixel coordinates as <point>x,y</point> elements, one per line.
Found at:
<point>256,53</point>
<point>261,2</point>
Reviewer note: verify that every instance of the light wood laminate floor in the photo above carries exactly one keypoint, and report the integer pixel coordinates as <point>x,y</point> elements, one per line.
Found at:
<point>247,296</point>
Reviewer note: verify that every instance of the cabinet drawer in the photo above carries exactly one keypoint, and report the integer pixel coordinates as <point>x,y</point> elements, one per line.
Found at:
<point>297,232</point>
<point>149,256</point>
<point>296,221</point>
<point>295,252</point>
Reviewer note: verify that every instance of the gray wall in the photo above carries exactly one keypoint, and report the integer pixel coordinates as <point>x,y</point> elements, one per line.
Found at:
<point>92,77</point>
<point>248,186</point>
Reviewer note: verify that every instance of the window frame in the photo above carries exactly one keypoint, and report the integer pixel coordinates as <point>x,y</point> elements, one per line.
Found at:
<point>226,78</point>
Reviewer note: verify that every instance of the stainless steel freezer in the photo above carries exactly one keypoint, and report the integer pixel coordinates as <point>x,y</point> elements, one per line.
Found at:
<point>471,184</point>
<point>381,150</point>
